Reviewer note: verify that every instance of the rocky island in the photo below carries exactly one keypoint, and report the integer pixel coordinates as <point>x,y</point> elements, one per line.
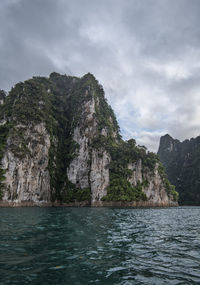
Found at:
<point>60,145</point>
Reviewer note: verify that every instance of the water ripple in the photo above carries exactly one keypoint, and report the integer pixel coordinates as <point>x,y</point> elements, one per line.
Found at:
<point>103,246</point>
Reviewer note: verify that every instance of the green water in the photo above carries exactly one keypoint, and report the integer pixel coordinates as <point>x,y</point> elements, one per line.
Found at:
<point>99,245</point>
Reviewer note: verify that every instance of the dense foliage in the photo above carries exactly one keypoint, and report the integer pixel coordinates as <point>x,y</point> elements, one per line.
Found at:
<point>123,154</point>
<point>74,194</point>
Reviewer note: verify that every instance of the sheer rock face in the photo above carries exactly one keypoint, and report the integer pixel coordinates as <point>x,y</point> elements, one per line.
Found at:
<point>137,172</point>
<point>182,163</point>
<point>78,169</point>
<point>155,190</point>
<point>27,177</point>
<point>99,174</point>
<point>90,166</point>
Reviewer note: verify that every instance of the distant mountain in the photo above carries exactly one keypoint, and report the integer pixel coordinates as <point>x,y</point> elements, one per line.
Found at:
<point>182,164</point>
<point>60,143</point>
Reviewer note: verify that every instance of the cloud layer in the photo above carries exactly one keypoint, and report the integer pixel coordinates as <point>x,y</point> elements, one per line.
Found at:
<point>146,54</point>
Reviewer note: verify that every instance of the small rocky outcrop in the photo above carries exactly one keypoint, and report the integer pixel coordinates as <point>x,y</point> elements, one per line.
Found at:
<point>60,145</point>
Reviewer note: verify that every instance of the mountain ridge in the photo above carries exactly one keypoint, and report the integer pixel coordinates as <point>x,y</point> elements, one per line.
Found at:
<point>182,163</point>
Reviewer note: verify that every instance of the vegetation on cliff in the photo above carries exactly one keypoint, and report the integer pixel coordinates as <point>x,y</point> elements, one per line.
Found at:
<point>123,154</point>
<point>58,102</point>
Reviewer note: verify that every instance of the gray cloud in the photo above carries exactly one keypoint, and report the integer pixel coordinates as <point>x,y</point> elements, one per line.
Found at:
<point>145,53</point>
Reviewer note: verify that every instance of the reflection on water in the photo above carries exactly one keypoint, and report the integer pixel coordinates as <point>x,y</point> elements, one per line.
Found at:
<point>99,245</point>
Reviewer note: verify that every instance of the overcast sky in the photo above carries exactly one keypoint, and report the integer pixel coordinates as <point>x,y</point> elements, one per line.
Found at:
<point>145,53</point>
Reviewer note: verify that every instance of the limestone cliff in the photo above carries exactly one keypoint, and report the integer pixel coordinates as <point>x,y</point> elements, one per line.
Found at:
<point>182,163</point>
<point>60,143</point>
<point>26,175</point>
<point>154,189</point>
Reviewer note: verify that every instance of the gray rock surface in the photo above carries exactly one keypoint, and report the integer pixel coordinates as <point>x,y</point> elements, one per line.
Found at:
<point>27,178</point>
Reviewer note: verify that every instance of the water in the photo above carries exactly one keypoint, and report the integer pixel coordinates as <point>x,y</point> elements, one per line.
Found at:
<point>99,245</point>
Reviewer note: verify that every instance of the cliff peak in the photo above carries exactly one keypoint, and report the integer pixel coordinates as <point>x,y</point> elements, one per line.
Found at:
<point>167,136</point>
